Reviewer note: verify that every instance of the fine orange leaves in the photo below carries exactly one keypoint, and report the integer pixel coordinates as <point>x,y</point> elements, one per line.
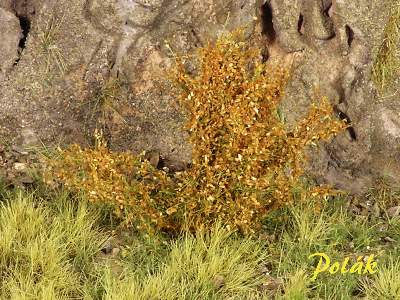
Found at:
<point>244,160</point>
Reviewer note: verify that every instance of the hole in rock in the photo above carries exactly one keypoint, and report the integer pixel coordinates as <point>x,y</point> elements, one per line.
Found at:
<point>25,11</point>
<point>264,55</point>
<point>25,24</point>
<point>346,118</point>
<point>352,133</point>
<point>197,42</point>
<point>300,24</point>
<point>358,292</point>
<point>328,11</point>
<point>267,22</point>
<point>350,35</point>
<point>26,27</point>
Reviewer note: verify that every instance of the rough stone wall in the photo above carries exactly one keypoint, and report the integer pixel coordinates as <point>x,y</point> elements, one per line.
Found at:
<point>335,43</point>
<point>10,36</point>
<point>57,56</point>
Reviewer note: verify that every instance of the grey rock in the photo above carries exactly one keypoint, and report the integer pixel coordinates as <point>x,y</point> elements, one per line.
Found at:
<point>20,167</point>
<point>107,247</point>
<point>393,211</point>
<point>332,49</point>
<point>29,137</point>
<point>115,251</point>
<point>26,180</point>
<point>339,67</point>
<point>10,35</point>
<point>218,281</point>
<point>153,157</point>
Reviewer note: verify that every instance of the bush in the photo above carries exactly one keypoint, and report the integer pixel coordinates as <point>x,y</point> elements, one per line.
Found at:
<point>138,193</point>
<point>244,162</point>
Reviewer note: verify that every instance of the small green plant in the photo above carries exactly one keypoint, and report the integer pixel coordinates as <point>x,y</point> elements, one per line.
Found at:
<point>296,287</point>
<point>387,62</point>
<point>385,284</point>
<point>48,44</point>
<point>101,104</point>
<point>105,100</point>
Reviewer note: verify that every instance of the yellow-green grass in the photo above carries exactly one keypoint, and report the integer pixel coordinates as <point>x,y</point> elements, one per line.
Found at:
<point>387,63</point>
<point>50,245</point>
<point>386,283</point>
<point>45,253</point>
<point>49,250</point>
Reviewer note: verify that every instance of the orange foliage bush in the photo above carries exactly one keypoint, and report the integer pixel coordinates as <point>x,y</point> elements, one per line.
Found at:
<point>139,193</point>
<point>244,162</point>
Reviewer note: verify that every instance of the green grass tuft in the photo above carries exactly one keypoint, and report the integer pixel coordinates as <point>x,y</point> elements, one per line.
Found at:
<point>385,284</point>
<point>387,63</point>
<point>45,253</point>
<point>50,249</point>
<point>205,266</point>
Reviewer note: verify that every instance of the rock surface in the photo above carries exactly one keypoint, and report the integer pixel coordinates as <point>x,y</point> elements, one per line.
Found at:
<point>59,86</point>
<point>10,36</point>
